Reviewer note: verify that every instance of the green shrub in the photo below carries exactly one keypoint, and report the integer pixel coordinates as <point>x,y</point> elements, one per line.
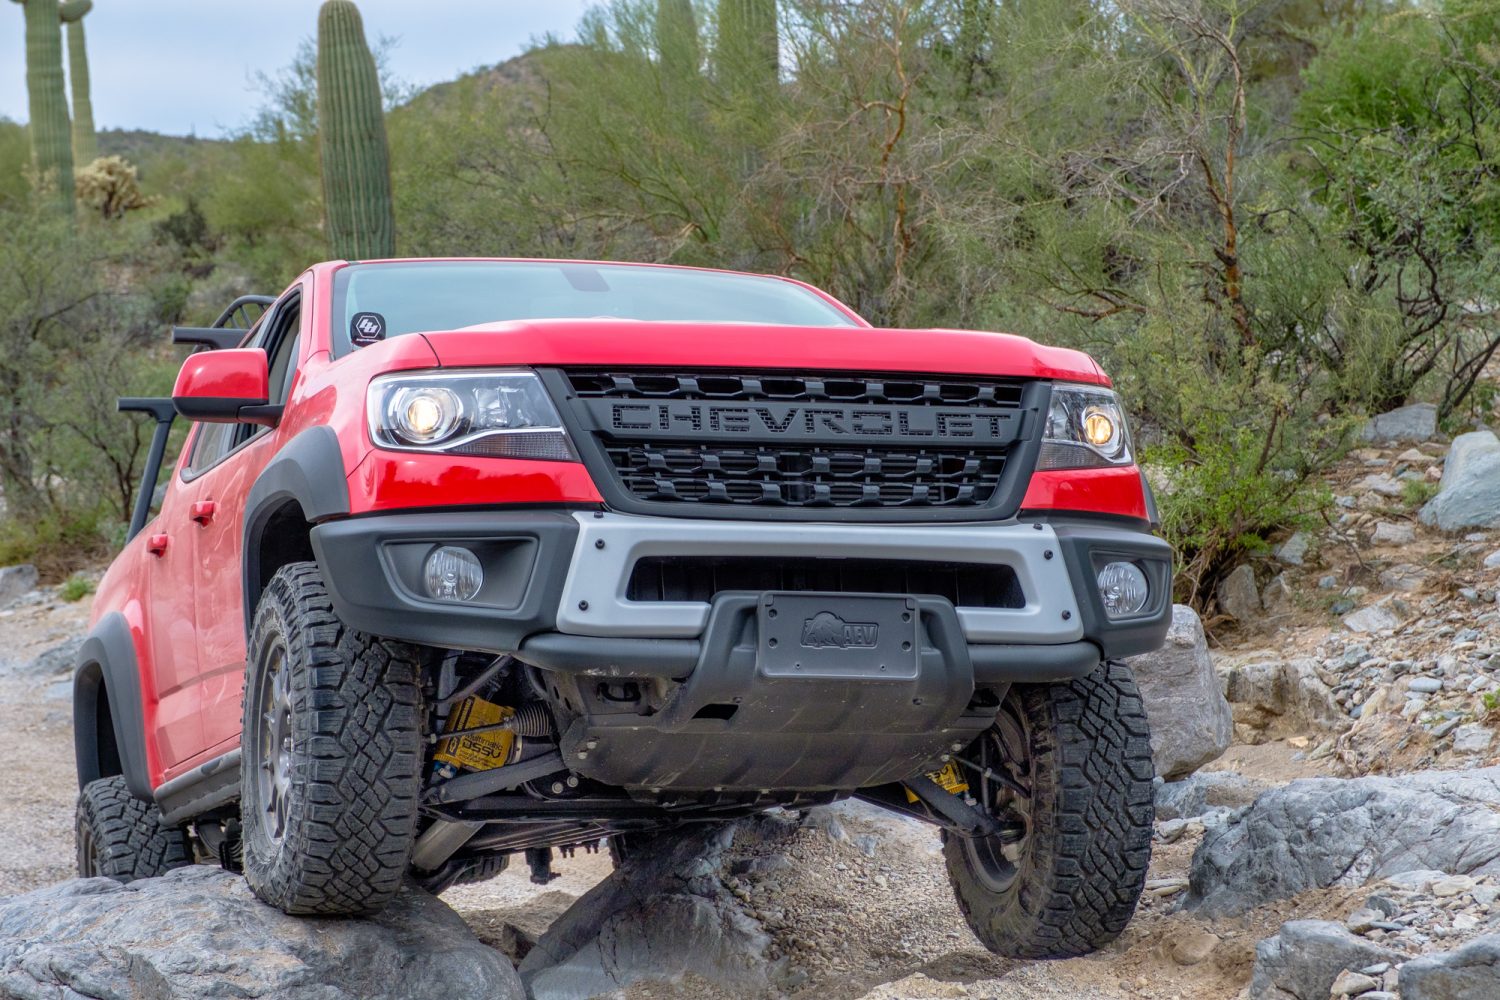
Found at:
<point>58,543</point>
<point>75,588</point>
<point>1416,492</point>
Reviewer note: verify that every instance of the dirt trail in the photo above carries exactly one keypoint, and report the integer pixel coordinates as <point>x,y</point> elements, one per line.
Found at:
<point>37,778</point>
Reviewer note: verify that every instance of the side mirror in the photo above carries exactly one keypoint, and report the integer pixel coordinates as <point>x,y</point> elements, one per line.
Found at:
<point>226,387</point>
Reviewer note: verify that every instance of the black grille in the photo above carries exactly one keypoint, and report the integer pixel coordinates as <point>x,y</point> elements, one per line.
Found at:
<point>791,388</point>
<point>699,578</point>
<point>809,476</point>
<point>691,469</point>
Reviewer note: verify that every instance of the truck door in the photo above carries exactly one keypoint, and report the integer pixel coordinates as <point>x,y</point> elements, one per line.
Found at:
<point>218,539</point>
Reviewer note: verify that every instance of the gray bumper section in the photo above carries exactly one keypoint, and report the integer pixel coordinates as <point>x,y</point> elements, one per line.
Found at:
<point>594,602</point>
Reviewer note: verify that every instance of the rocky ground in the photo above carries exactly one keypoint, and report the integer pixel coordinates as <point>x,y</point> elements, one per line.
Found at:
<point>1345,841</point>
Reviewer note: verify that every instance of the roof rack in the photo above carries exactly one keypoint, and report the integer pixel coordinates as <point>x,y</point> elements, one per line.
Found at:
<point>225,332</point>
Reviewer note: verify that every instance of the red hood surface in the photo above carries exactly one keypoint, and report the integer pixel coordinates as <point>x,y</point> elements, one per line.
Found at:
<point>610,342</point>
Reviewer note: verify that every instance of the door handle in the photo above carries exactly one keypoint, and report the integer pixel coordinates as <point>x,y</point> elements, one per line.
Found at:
<point>157,545</point>
<point>202,512</point>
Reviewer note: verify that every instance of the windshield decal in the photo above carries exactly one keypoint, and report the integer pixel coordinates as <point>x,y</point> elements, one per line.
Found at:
<point>366,328</point>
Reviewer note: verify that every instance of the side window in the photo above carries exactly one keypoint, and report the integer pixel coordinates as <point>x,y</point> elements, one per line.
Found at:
<point>280,341</point>
<point>211,443</point>
<point>284,366</point>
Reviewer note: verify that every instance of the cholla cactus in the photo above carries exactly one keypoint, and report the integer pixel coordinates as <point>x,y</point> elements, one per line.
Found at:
<point>51,147</point>
<point>351,130</point>
<point>85,140</point>
<point>109,186</point>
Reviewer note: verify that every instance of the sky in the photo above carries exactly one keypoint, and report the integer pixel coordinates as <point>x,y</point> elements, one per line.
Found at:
<point>186,67</point>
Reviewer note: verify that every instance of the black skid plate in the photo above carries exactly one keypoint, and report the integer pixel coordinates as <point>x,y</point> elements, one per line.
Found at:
<point>842,636</point>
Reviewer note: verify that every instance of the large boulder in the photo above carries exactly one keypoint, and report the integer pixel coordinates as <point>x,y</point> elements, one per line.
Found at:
<point>1469,493</point>
<point>199,932</point>
<point>765,906</point>
<point>664,915</point>
<point>1190,720</point>
<point>1471,972</point>
<point>1414,423</point>
<point>52,661</point>
<point>1204,792</point>
<point>1304,958</point>
<point>1273,697</point>
<point>16,582</point>
<point>1322,832</point>
<point>1239,598</point>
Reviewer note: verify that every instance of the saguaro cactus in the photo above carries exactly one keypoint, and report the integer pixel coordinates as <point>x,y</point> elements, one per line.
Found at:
<point>85,139</point>
<point>351,129</point>
<point>748,56</point>
<point>677,42</point>
<point>51,150</point>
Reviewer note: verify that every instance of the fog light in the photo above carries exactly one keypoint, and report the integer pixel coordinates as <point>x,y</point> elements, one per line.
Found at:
<point>453,574</point>
<point>1124,589</point>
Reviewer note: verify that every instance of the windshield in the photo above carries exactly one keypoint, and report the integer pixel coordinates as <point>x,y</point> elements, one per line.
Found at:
<point>374,302</point>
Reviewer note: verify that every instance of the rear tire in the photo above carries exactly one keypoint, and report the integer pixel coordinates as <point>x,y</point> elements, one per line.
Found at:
<point>1082,750</point>
<point>331,769</point>
<point>123,838</point>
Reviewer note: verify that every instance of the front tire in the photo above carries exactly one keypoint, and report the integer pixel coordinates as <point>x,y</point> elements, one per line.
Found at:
<point>1075,769</point>
<point>123,838</point>
<point>331,764</point>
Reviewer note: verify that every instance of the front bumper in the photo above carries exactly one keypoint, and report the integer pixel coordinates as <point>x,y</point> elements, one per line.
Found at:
<point>681,694</point>
<point>557,584</point>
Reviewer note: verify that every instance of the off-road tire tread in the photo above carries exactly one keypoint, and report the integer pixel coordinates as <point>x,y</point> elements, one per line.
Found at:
<point>130,837</point>
<point>1090,846</point>
<point>356,774</point>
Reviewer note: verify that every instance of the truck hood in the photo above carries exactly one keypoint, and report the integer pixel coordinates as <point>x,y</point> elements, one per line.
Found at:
<point>615,342</point>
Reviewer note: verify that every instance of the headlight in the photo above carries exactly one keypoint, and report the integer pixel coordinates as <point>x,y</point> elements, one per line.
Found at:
<point>424,414</point>
<point>498,414</point>
<point>1085,429</point>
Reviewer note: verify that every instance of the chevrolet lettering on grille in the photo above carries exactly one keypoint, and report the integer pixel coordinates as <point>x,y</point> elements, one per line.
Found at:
<point>766,421</point>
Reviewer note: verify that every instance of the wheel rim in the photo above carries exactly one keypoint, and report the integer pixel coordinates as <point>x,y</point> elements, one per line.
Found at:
<point>274,743</point>
<point>88,853</point>
<point>1003,772</point>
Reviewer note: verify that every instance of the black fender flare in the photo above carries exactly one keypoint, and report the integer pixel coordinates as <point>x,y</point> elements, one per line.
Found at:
<point>308,470</point>
<point>107,662</point>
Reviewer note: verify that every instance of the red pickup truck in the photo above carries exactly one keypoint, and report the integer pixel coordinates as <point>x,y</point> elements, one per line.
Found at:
<point>464,558</point>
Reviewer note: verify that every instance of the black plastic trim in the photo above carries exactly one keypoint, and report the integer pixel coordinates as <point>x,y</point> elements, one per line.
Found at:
<point>1082,542</point>
<point>675,659</point>
<point>208,786</point>
<point>367,596</point>
<point>601,656</point>
<point>1030,664</point>
<point>107,662</point>
<point>1020,462</point>
<point>308,470</point>
<point>1153,515</point>
<point>215,409</point>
